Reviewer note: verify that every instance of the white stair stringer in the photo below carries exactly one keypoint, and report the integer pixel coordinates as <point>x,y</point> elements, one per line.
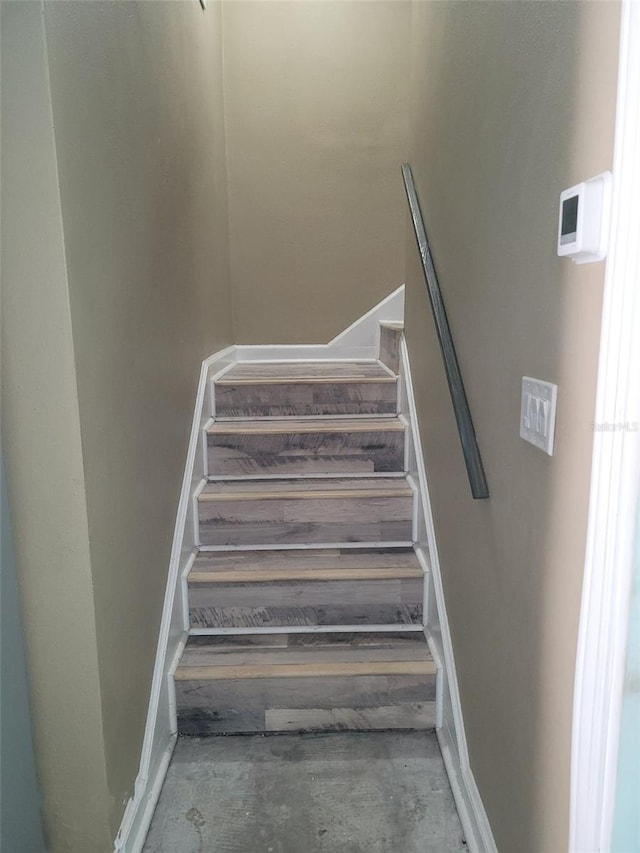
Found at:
<point>450,723</point>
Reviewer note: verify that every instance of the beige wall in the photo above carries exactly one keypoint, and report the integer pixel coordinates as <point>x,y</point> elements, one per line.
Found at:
<point>317,127</point>
<point>42,448</point>
<point>114,290</point>
<point>513,103</point>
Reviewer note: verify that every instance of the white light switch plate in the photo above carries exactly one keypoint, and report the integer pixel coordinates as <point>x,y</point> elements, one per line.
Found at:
<point>538,413</point>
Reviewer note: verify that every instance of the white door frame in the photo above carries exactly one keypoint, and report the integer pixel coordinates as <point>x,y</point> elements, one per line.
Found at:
<point>614,482</point>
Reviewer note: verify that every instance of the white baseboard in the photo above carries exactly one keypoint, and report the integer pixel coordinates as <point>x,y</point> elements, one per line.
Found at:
<point>473,818</point>
<point>450,723</point>
<point>160,729</point>
<point>140,808</point>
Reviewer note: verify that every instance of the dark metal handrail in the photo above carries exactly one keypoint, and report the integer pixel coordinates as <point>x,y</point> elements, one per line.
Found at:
<point>473,461</point>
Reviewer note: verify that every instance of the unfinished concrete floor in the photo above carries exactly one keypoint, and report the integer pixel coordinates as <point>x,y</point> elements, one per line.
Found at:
<point>331,793</point>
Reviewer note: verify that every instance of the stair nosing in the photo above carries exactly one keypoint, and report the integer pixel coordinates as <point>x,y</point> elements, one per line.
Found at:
<point>312,574</point>
<point>280,426</point>
<point>310,495</point>
<point>338,628</point>
<point>306,475</point>
<point>308,380</point>
<point>305,670</point>
<point>344,488</point>
<point>334,416</point>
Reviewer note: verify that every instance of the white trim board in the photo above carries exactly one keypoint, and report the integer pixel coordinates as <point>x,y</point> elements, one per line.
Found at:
<point>450,730</point>
<point>604,612</point>
<point>160,729</point>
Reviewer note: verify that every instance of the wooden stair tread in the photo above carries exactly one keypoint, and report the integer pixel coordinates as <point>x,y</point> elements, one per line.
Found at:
<point>306,489</point>
<point>201,657</point>
<point>305,670</point>
<point>288,575</point>
<point>267,373</point>
<point>306,656</point>
<point>312,565</point>
<point>281,426</point>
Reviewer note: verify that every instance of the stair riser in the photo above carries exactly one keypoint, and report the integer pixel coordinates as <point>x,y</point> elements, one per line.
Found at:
<point>409,715</point>
<point>302,561</point>
<point>306,453</point>
<point>305,704</point>
<point>306,603</point>
<point>302,399</point>
<point>200,656</point>
<point>411,644</point>
<point>390,347</point>
<point>294,521</point>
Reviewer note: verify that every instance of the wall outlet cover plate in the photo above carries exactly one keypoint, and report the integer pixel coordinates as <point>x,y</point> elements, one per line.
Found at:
<point>538,413</point>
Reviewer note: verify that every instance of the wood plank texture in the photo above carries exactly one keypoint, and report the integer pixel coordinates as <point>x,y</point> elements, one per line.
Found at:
<point>201,722</point>
<point>286,425</point>
<point>315,446</point>
<point>317,669</point>
<point>363,691</point>
<point>410,715</point>
<point>301,593</point>
<point>304,487</point>
<point>390,337</point>
<point>230,705</point>
<point>210,566</point>
<point>306,602</point>
<point>295,400</point>
<point>301,648</point>
<point>310,494</point>
<point>332,388</point>
<point>316,371</point>
<point>325,615</point>
<point>339,681</point>
<point>294,477</point>
<point>412,644</point>
<point>305,512</point>
<point>310,574</point>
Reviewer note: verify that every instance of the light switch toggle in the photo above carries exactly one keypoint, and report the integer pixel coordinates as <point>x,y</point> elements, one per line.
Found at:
<point>538,413</point>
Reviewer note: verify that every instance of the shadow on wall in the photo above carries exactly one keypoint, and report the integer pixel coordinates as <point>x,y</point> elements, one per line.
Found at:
<point>512,103</point>
<point>20,823</point>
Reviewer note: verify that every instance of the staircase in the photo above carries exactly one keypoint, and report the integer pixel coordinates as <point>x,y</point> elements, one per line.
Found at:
<point>305,599</point>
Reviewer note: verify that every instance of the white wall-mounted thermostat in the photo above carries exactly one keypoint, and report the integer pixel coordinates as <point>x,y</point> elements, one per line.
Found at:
<point>583,227</point>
